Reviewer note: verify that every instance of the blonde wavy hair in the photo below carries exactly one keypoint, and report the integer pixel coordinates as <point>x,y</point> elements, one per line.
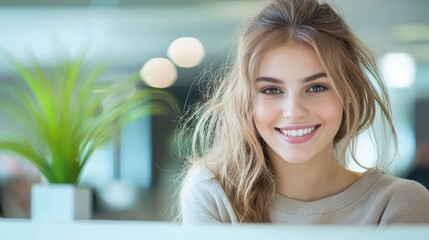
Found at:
<point>224,137</point>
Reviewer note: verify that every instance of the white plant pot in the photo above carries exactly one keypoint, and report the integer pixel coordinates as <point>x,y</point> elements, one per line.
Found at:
<point>60,202</point>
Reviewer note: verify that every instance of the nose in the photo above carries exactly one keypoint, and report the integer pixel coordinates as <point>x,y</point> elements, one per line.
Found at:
<point>295,107</point>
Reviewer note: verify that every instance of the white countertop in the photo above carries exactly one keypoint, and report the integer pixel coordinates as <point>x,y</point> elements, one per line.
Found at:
<point>16,229</point>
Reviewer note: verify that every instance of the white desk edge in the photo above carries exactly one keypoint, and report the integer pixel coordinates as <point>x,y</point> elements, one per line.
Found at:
<point>16,229</point>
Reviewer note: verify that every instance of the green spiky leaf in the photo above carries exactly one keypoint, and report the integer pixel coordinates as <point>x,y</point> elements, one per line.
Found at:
<point>62,115</point>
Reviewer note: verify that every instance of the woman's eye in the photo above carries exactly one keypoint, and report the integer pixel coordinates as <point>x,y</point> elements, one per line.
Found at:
<point>271,91</point>
<point>317,88</point>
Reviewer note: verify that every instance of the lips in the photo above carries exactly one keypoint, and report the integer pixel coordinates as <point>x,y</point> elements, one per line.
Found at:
<point>297,134</point>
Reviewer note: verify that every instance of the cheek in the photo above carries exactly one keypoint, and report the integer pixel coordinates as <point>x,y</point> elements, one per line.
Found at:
<point>263,114</point>
<point>332,112</point>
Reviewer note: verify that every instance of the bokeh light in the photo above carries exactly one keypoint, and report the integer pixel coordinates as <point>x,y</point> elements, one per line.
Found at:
<point>158,73</point>
<point>399,69</point>
<point>186,52</point>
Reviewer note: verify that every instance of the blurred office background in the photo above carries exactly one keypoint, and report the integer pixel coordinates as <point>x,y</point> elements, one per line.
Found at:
<point>134,177</point>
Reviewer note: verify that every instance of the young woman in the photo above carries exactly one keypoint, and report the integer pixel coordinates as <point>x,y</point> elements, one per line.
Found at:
<point>271,142</point>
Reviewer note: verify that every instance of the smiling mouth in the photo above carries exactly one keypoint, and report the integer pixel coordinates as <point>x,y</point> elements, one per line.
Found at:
<point>298,133</point>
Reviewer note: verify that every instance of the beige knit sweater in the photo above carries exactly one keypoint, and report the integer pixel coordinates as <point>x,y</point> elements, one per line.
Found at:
<point>374,199</point>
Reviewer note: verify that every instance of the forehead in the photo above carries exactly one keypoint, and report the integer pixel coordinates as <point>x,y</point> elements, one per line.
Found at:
<point>289,61</point>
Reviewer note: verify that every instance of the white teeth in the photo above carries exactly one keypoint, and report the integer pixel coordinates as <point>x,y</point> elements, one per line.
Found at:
<point>298,132</point>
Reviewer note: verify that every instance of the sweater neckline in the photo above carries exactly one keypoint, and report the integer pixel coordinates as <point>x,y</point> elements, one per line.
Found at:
<point>329,204</point>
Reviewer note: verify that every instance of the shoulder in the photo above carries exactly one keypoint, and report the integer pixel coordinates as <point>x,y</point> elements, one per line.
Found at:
<point>198,174</point>
<point>398,188</point>
<point>200,182</point>
<point>202,199</point>
<point>407,201</point>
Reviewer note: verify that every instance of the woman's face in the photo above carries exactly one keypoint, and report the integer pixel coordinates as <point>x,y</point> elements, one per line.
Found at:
<point>297,112</point>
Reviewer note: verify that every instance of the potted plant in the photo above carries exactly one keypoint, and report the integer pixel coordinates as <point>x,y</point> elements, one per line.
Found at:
<point>59,116</point>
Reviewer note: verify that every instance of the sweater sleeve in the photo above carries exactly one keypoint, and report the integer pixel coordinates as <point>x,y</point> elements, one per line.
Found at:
<point>202,200</point>
<point>409,204</point>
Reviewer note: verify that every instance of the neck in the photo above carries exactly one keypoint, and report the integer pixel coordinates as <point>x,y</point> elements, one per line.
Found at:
<point>312,180</point>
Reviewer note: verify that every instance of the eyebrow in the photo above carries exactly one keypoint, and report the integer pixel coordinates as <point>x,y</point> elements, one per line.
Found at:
<point>305,80</point>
